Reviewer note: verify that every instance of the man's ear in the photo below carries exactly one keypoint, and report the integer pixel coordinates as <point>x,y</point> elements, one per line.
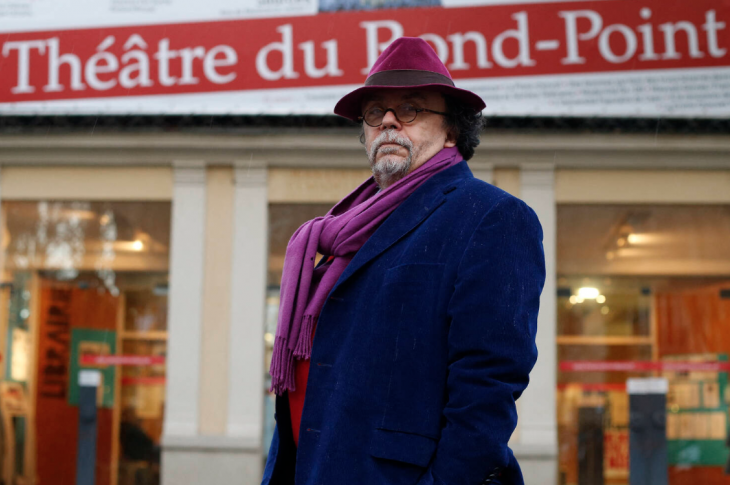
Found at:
<point>450,139</point>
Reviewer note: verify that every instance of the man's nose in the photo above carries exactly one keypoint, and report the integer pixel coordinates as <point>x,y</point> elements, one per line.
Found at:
<point>390,122</point>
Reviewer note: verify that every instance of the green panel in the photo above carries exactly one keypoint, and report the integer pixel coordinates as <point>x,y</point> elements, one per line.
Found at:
<point>703,452</point>
<point>93,341</point>
<point>698,452</point>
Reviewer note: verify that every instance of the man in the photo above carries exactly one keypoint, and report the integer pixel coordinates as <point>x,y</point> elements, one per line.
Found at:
<point>415,334</point>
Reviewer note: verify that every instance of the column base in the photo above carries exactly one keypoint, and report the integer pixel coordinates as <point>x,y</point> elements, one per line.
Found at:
<point>211,460</point>
<point>539,463</point>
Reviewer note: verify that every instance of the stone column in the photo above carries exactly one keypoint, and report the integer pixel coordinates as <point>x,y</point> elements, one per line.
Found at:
<point>537,447</point>
<point>187,251</point>
<point>192,454</point>
<point>248,287</point>
<point>248,283</point>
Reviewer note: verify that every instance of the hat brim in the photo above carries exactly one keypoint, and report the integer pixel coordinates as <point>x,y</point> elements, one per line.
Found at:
<point>350,106</point>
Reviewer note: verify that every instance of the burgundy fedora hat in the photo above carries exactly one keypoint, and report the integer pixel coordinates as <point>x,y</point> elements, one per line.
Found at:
<point>407,63</point>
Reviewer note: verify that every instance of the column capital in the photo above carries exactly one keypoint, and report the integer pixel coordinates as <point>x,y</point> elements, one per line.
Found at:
<point>537,174</point>
<point>537,166</point>
<point>190,172</point>
<point>250,173</point>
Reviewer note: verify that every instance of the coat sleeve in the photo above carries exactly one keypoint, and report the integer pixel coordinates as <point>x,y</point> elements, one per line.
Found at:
<point>493,321</point>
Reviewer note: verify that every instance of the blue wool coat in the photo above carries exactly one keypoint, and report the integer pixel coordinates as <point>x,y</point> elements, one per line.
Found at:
<point>422,347</point>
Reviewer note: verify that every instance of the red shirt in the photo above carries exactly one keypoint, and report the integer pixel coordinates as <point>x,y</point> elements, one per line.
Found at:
<point>296,398</point>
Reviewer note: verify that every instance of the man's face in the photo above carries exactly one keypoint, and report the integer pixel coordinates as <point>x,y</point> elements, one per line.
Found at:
<point>396,148</point>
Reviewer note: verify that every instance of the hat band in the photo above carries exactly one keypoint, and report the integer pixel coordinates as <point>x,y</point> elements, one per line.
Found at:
<point>407,77</point>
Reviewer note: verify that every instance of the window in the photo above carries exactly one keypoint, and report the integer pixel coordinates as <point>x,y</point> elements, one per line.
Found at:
<point>84,282</point>
<point>641,287</point>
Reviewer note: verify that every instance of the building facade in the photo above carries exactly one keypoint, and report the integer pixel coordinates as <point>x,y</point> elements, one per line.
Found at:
<point>165,247</point>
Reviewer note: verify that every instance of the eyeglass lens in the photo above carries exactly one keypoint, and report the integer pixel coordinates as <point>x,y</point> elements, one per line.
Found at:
<point>404,112</point>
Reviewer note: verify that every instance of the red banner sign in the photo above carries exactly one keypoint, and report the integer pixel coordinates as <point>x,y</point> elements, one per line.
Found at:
<point>143,381</point>
<point>616,451</point>
<point>138,360</point>
<point>336,49</point>
<point>593,386</point>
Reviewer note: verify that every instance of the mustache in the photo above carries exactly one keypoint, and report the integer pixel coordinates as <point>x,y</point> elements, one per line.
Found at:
<point>389,136</point>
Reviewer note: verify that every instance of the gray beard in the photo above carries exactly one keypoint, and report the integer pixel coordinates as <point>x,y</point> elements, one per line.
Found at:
<point>390,168</point>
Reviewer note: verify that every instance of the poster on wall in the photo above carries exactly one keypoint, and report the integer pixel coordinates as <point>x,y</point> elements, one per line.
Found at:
<point>697,417</point>
<point>544,58</point>
<point>86,341</point>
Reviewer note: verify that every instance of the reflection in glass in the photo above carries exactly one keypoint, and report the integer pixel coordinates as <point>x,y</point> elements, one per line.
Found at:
<point>83,281</point>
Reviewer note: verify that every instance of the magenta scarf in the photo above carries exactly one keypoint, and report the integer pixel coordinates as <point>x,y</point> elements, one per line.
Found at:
<point>340,233</point>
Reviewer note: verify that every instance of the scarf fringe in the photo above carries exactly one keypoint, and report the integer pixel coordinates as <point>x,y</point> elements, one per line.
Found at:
<point>282,368</point>
<point>283,359</point>
<point>303,350</point>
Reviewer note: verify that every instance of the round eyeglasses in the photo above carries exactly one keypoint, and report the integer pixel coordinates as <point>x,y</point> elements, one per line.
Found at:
<point>404,113</point>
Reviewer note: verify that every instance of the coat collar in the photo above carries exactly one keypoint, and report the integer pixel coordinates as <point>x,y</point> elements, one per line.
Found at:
<point>412,211</point>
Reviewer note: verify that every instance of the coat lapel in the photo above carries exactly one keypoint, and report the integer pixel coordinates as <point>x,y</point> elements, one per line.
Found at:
<point>412,212</point>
